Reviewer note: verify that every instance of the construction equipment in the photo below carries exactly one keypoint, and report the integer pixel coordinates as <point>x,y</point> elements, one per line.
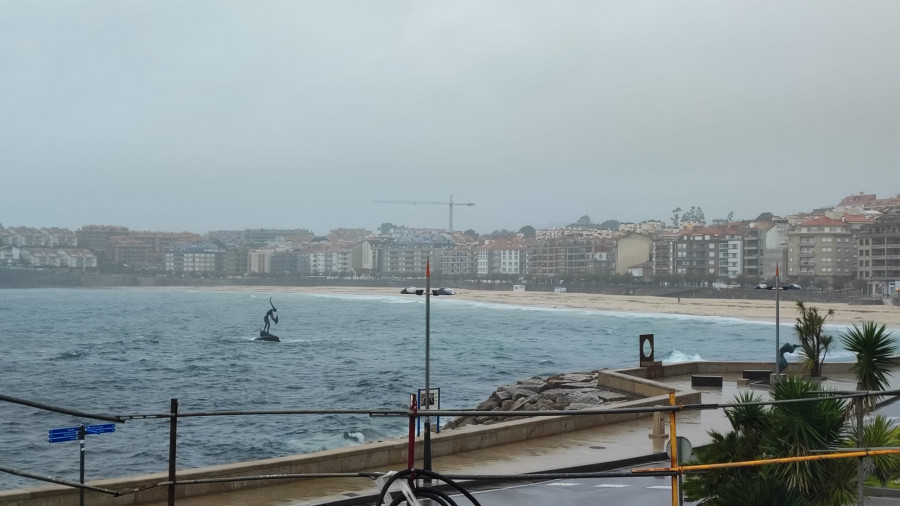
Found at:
<point>416,202</point>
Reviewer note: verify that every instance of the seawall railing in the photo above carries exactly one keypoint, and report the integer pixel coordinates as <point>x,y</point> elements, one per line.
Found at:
<point>370,460</point>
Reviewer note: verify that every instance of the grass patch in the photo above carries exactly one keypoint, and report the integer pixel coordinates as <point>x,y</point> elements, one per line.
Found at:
<point>873,482</point>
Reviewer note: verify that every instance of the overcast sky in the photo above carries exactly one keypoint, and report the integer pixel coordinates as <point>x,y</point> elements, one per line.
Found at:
<point>199,116</point>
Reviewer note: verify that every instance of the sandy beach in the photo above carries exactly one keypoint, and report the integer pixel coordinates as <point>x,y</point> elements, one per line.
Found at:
<point>844,314</point>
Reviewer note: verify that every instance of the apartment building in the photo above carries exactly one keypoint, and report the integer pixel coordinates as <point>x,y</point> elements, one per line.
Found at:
<point>236,260</point>
<point>604,256</point>
<point>284,261</point>
<point>126,251</point>
<point>326,259</point>
<point>145,250</point>
<point>504,256</point>
<point>408,255</point>
<point>72,258</point>
<point>560,256</point>
<point>731,252</point>
<point>696,253</point>
<point>195,258</point>
<point>97,237</point>
<point>79,258</point>
<point>25,237</point>
<point>259,261</point>
<point>363,258</point>
<point>878,260</point>
<point>461,260</point>
<point>663,254</point>
<point>754,246</point>
<point>278,259</point>
<point>774,246</point>
<point>10,255</point>
<point>632,249</point>
<point>822,247</point>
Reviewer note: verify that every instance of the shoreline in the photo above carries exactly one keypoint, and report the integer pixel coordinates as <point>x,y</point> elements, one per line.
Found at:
<point>743,309</point>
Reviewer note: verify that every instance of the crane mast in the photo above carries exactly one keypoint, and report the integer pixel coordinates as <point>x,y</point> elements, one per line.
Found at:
<point>425,202</point>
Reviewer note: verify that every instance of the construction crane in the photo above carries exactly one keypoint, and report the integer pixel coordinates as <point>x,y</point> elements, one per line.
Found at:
<point>417,202</point>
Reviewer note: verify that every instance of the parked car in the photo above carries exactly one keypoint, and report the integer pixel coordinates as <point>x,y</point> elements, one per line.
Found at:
<point>761,286</point>
<point>792,286</point>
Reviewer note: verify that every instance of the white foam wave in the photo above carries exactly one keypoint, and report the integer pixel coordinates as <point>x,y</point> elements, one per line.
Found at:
<point>735,320</point>
<point>677,357</point>
<point>359,437</point>
<point>388,299</point>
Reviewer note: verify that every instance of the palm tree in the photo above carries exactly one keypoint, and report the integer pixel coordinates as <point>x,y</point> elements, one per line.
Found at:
<point>813,341</point>
<point>784,430</point>
<point>881,433</point>
<point>798,429</point>
<point>875,354</point>
<point>749,421</point>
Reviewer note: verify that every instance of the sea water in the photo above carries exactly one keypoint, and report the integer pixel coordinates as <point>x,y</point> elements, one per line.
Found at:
<point>129,351</point>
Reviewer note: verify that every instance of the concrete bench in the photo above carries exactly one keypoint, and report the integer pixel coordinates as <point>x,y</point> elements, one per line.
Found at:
<point>757,375</point>
<point>700,380</point>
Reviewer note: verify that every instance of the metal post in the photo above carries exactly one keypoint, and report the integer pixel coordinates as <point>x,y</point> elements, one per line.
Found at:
<point>81,469</point>
<point>411,451</point>
<point>427,451</point>
<point>673,445</point>
<point>173,433</point>
<point>860,475</point>
<point>777,322</point>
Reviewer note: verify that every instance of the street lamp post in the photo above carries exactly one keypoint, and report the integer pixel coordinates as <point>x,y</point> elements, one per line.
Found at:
<point>777,322</point>
<point>426,458</point>
<point>429,400</point>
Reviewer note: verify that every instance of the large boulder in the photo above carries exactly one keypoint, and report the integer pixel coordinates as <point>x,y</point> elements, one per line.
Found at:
<point>558,392</point>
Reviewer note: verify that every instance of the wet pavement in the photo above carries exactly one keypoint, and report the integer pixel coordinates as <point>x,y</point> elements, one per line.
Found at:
<point>604,444</point>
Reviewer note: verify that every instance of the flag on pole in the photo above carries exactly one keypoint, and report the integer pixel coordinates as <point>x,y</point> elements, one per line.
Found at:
<point>427,267</point>
<point>776,270</point>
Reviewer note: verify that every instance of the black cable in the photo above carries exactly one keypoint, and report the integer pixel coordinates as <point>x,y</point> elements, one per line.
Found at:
<point>438,496</point>
<point>417,473</point>
<point>427,493</point>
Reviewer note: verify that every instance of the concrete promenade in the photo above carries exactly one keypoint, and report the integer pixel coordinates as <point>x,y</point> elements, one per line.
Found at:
<point>527,445</point>
<point>583,449</point>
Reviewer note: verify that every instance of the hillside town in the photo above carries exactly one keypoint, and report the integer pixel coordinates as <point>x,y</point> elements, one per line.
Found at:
<point>853,245</point>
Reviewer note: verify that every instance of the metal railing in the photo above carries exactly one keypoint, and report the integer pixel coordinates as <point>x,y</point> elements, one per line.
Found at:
<point>675,470</point>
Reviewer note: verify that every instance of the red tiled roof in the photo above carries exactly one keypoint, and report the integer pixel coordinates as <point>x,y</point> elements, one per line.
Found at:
<point>821,220</point>
<point>858,218</point>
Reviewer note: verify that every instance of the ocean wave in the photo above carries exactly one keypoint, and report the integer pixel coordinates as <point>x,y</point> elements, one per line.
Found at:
<point>387,299</point>
<point>71,355</point>
<point>676,357</point>
<point>358,437</point>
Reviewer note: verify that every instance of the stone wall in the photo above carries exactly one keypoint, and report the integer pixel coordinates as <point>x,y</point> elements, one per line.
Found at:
<point>559,392</point>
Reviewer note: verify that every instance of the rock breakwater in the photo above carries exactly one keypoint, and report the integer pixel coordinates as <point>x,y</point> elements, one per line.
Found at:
<point>558,392</point>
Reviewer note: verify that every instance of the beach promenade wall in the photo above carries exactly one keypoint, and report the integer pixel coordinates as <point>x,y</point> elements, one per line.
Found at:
<point>392,454</point>
<point>73,278</point>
